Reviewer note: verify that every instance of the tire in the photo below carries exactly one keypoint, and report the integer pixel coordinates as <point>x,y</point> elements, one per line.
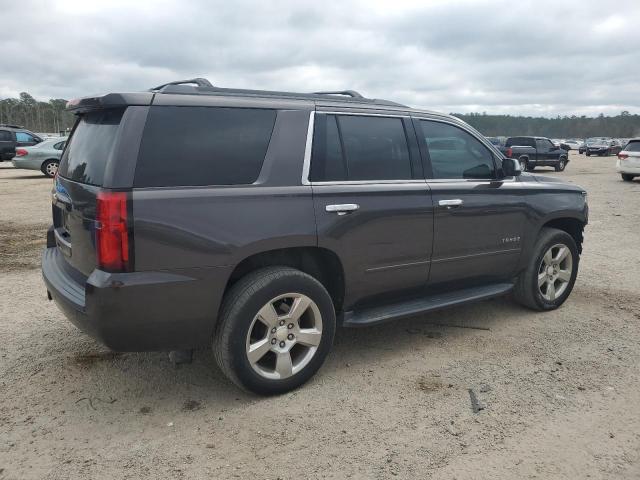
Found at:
<point>50,168</point>
<point>627,178</point>
<point>562,163</point>
<point>238,325</point>
<point>532,288</point>
<point>523,163</point>
<point>587,154</point>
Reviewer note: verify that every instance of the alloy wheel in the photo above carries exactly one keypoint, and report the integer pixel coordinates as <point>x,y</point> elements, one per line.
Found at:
<point>554,272</point>
<point>284,336</point>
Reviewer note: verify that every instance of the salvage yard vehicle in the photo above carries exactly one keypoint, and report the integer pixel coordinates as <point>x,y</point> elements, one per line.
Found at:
<point>628,164</point>
<point>14,136</point>
<point>255,222</point>
<point>45,156</point>
<point>603,147</point>
<point>534,152</point>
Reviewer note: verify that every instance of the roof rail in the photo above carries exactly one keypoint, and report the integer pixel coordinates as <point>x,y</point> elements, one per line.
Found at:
<point>200,82</point>
<point>349,93</point>
<point>7,125</point>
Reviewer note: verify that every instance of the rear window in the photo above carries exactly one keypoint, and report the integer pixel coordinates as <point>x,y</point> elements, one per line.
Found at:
<point>90,146</point>
<point>521,142</point>
<point>190,146</point>
<point>632,147</point>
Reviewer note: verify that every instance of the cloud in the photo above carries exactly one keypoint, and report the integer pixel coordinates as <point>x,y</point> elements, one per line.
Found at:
<point>524,57</point>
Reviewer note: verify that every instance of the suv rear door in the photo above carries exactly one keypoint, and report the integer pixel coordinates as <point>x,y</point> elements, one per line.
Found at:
<point>479,217</point>
<point>372,204</point>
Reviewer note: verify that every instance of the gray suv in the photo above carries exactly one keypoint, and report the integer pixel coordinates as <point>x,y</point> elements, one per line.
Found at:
<point>255,222</point>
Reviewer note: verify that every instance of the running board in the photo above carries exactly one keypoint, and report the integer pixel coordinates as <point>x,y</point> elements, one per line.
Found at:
<point>376,315</point>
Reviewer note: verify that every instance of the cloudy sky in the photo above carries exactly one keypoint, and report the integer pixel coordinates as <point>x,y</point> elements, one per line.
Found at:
<point>521,57</point>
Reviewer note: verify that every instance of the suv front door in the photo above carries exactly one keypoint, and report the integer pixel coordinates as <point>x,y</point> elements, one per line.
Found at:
<point>479,216</point>
<point>372,204</point>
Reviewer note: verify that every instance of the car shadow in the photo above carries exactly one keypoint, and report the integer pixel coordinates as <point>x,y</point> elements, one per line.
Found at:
<point>158,381</point>
<point>30,177</point>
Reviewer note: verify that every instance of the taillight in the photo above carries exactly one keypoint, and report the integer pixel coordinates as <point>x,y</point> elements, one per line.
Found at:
<point>112,233</point>
<point>622,156</point>
<point>21,152</point>
<point>509,152</point>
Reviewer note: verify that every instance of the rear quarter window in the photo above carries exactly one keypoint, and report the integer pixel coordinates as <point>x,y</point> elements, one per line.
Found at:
<point>90,146</point>
<point>193,146</point>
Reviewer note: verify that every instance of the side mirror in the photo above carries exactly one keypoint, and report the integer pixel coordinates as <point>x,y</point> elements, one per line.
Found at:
<point>511,167</point>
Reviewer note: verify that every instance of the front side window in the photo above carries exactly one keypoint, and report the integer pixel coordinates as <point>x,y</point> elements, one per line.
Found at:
<point>355,147</point>
<point>455,153</point>
<point>191,146</point>
<point>59,146</point>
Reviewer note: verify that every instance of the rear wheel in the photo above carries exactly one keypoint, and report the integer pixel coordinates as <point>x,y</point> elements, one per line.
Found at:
<point>50,168</point>
<point>551,273</point>
<point>562,163</point>
<point>627,178</point>
<point>275,330</point>
<point>524,164</point>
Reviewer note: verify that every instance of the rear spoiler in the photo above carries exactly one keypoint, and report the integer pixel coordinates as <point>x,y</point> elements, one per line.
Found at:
<point>110,100</point>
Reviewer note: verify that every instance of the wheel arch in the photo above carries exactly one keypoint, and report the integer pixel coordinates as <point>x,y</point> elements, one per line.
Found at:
<point>321,263</point>
<point>572,225</point>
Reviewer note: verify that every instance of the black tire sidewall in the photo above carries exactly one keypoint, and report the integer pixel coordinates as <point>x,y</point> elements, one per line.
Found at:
<point>243,315</point>
<point>43,169</point>
<point>558,236</point>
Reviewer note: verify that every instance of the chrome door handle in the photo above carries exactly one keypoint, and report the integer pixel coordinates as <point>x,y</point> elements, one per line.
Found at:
<point>454,202</point>
<point>343,208</point>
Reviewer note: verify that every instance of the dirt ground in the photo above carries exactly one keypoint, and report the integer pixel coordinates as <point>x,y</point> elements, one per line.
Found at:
<point>559,390</point>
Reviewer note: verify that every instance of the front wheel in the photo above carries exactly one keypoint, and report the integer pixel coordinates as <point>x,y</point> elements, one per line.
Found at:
<point>627,178</point>
<point>551,273</point>
<point>275,330</point>
<point>561,165</point>
<point>50,168</point>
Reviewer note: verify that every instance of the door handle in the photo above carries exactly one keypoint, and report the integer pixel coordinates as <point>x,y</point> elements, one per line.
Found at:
<point>452,203</point>
<point>343,208</point>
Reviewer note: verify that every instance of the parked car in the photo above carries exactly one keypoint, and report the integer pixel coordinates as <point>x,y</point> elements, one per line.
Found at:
<point>603,147</point>
<point>628,164</point>
<point>254,222</point>
<point>573,144</point>
<point>45,156</point>
<point>13,136</point>
<point>534,152</point>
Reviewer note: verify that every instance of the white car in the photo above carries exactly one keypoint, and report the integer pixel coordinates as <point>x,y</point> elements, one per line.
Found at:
<point>628,164</point>
<point>574,144</point>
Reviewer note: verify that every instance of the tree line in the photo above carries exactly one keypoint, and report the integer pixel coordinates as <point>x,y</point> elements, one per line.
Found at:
<point>51,117</point>
<point>34,115</point>
<point>623,125</point>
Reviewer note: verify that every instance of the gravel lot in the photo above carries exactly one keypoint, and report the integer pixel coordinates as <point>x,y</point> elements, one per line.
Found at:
<point>559,390</point>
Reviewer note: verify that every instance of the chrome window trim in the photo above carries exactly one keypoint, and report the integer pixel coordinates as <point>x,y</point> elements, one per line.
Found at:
<point>306,165</point>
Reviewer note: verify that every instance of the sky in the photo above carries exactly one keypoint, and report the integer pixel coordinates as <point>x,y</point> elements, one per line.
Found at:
<point>539,58</point>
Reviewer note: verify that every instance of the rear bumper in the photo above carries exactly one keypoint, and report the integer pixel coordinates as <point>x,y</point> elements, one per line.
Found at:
<point>631,167</point>
<point>139,311</point>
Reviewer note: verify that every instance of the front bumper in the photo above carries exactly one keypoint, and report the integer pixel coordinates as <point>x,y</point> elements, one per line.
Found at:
<point>137,311</point>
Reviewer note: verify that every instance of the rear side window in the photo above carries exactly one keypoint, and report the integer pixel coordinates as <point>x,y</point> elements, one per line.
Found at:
<point>632,147</point>
<point>190,146</point>
<point>353,147</point>
<point>5,136</point>
<point>90,146</point>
